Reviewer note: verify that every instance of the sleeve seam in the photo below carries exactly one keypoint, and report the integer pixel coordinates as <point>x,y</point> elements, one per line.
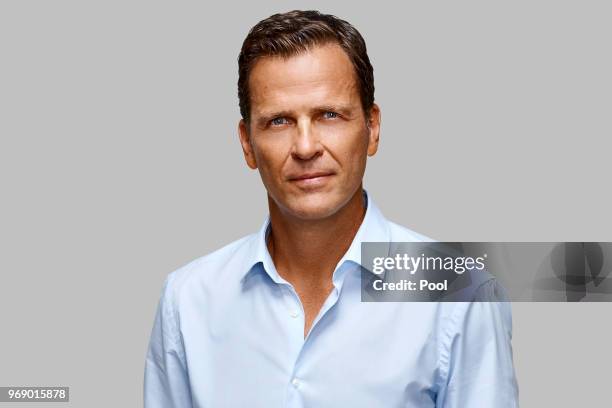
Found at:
<point>445,343</point>
<point>175,334</point>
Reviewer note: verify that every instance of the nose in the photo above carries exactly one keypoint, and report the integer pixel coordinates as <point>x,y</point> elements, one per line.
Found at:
<point>306,145</point>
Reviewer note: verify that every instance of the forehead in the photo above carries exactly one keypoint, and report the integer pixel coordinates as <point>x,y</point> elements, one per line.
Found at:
<point>321,75</point>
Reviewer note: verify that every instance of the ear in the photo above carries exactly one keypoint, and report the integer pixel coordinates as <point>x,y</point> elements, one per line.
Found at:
<point>245,142</point>
<point>374,130</point>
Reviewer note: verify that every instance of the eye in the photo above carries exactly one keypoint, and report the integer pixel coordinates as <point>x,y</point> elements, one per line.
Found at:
<point>278,121</point>
<point>330,115</point>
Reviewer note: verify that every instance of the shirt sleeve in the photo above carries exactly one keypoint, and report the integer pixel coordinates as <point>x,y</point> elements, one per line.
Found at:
<point>166,380</point>
<point>476,358</point>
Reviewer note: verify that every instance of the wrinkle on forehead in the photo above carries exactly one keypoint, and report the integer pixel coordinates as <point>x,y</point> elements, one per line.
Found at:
<point>323,75</point>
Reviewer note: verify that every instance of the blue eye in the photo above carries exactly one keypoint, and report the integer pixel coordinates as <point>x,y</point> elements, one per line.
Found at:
<point>330,115</point>
<point>278,121</point>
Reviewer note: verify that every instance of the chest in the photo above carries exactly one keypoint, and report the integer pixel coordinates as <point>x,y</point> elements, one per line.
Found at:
<point>252,351</point>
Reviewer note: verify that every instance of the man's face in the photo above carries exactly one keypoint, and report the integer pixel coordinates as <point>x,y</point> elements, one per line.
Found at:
<point>308,134</point>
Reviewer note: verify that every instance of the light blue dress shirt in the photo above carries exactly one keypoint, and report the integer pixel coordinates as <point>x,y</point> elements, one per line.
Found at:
<point>229,332</point>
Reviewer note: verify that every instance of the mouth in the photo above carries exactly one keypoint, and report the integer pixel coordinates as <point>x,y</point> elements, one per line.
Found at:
<point>313,179</point>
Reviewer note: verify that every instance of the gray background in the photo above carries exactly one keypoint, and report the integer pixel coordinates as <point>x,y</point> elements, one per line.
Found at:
<point>119,162</point>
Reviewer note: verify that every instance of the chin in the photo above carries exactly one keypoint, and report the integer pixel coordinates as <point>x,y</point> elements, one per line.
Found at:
<point>313,207</point>
<point>312,214</point>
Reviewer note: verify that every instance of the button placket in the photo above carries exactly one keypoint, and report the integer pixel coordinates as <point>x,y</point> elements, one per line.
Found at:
<point>293,301</point>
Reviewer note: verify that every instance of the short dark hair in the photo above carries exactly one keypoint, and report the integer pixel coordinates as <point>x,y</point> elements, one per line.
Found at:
<point>297,31</point>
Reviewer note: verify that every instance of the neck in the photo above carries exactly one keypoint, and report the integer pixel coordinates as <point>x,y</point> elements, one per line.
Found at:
<point>307,251</point>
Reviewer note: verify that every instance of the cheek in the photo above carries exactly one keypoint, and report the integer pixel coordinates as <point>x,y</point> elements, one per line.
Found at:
<point>350,147</point>
<point>270,157</point>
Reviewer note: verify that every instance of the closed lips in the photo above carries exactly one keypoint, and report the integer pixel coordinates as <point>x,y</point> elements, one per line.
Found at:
<point>306,176</point>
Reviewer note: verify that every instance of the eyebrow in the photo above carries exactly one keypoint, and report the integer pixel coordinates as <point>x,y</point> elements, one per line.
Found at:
<point>344,110</point>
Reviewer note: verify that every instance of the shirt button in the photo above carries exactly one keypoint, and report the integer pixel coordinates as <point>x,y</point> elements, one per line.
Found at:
<point>295,382</point>
<point>294,313</point>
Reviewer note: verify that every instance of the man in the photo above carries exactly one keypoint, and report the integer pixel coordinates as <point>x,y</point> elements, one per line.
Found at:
<point>275,319</point>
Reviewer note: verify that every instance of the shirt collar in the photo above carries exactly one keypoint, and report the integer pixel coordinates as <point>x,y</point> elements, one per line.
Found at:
<point>373,228</point>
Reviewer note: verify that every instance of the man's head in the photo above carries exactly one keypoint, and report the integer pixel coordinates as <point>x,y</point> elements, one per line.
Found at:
<point>309,120</point>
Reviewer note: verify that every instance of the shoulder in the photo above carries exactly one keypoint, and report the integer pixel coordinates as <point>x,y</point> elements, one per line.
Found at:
<point>484,295</point>
<point>208,269</point>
